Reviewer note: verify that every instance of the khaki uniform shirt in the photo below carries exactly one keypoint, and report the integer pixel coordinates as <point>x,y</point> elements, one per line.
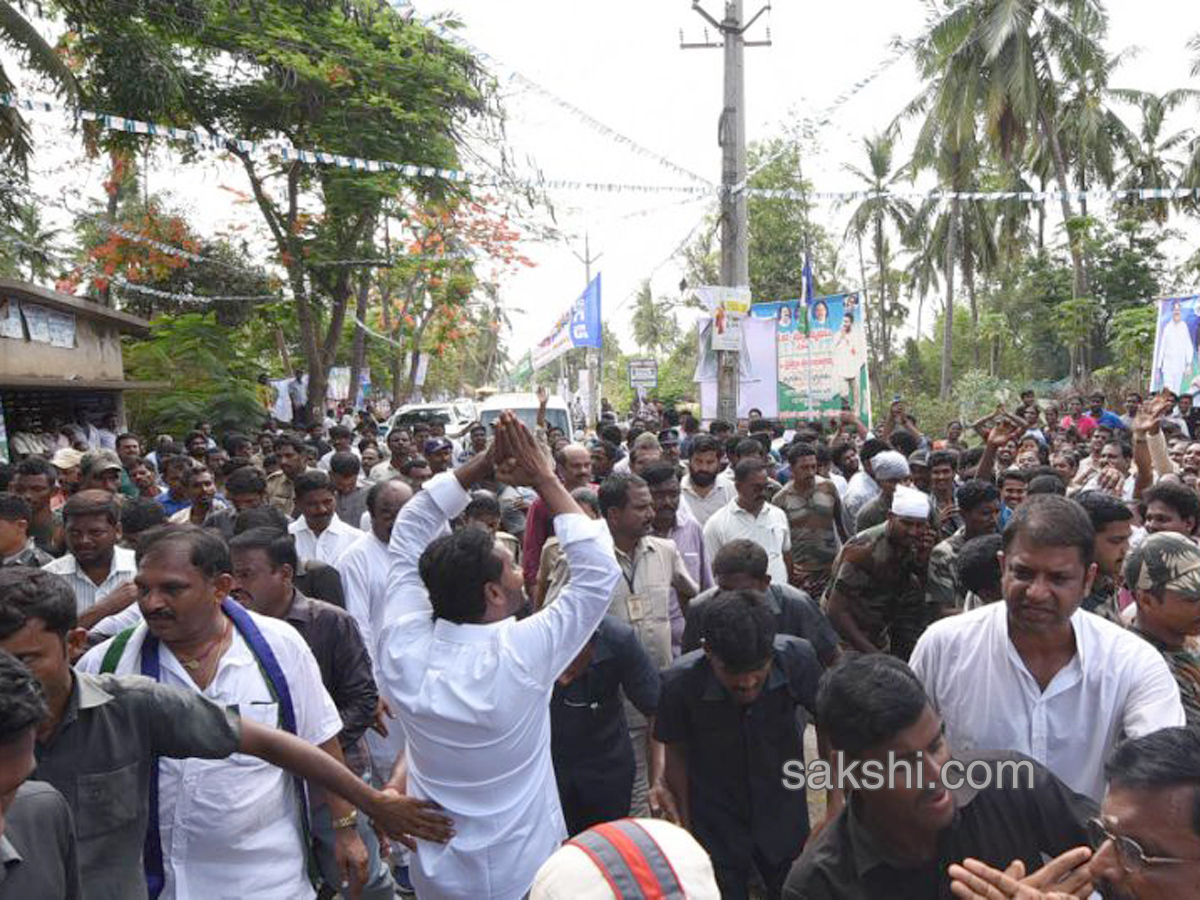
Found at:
<point>642,597</point>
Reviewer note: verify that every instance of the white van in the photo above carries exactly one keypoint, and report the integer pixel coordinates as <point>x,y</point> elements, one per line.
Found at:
<point>526,408</point>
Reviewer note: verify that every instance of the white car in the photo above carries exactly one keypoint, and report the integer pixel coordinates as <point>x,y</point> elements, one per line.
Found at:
<point>455,416</point>
<point>558,415</point>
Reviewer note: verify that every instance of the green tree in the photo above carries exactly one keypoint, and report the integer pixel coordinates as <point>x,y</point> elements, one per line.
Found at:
<point>33,258</point>
<point>1007,56</point>
<point>654,326</point>
<point>1149,162</point>
<point>17,32</point>
<point>875,215</point>
<point>210,373</point>
<point>351,77</point>
<point>947,143</point>
<point>781,232</point>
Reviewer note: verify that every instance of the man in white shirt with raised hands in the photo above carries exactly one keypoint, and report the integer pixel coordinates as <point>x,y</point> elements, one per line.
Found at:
<point>473,683</point>
<point>1037,674</point>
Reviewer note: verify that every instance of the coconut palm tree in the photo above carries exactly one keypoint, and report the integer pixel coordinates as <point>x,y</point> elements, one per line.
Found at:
<point>875,214</point>
<point>18,34</point>
<point>1149,163</point>
<point>33,257</point>
<point>1021,46</point>
<point>654,325</point>
<point>1092,134</point>
<point>948,143</point>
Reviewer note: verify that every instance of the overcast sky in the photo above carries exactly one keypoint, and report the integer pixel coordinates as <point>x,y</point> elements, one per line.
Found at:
<point>620,61</point>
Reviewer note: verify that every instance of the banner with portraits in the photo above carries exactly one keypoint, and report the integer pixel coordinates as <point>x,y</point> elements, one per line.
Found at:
<point>821,356</point>
<point>1176,361</point>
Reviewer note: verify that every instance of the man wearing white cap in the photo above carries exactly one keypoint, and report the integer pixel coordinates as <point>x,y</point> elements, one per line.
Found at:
<point>876,596</point>
<point>627,859</point>
<point>891,471</point>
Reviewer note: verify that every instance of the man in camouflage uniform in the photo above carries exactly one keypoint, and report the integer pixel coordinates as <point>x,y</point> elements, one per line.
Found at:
<point>877,591</point>
<point>814,514</point>
<point>979,508</point>
<point>1163,573</point>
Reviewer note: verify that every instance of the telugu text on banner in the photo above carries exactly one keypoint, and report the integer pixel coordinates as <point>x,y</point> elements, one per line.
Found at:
<point>579,326</point>
<point>821,352</point>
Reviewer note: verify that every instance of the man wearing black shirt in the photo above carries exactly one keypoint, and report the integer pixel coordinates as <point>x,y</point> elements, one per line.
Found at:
<point>590,744</point>
<point>728,717</point>
<point>741,565</point>
<point>897,842</point>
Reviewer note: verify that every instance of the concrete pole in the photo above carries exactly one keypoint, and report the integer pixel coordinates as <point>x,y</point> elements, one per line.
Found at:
<point>735,250</point>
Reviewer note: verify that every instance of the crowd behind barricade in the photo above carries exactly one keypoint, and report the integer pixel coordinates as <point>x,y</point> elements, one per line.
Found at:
<point>424,662</point>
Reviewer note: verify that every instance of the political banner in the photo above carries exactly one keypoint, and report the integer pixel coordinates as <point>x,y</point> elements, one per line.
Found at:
<point>579,326</point>
<point>728,305</point>
<point>756,369</point>
<point>821,349</point>
<point>1176,362</point>
<point>338,387</point>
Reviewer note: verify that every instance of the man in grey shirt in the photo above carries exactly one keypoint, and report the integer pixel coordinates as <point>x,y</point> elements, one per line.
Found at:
<point>103,733</point>
<point>37,837</point>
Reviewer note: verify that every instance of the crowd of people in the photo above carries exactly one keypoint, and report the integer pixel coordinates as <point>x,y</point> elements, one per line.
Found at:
<point>290,662</point>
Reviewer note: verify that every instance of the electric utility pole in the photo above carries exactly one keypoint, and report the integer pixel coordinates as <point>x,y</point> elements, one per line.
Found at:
<point>594,356</point>
<point>731,132</point>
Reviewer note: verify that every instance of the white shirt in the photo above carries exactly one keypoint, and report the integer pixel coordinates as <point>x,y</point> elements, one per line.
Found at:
<point>230,828</point>
<point>702,508</point>
<point>364,570</point>
<point>769,529</point>
<point>474,703</point>
<point>87,592</point>
<point>1116,685</point>
<point>323,462</point>
<point>332,543</point>
<point>862,489</point>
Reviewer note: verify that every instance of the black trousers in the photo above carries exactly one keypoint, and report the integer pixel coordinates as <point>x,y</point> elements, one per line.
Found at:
<point>587,800</point>
<point>734,881</point>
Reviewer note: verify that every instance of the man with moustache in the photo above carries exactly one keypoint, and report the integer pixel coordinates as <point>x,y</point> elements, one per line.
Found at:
<point>1036,674</point>
<point>675,524</point>
<point>814,513</point>
<point>897,841</point>
<point>231,826</point>
<point>650,568</point>
<point>1145,844</point>
<point>473,683</point>
<point>574,466</point>
<point>700,491</point>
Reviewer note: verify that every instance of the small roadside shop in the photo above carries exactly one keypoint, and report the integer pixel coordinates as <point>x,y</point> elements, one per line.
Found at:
<point>60,366</point>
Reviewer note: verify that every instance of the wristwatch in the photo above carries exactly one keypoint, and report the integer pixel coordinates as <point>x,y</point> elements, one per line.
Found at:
<point>347,821</point>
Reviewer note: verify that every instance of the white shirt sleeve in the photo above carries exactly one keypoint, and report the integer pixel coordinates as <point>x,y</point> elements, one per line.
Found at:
<point>545,643</point>
<point>923,662</point>
<point>419,522</point>
<point>1153,700</point>
<point>129,617</point>
<point>712,535</point>
<point>356,583</point>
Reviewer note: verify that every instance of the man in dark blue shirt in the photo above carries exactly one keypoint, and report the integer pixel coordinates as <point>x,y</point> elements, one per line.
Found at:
<point>727,715</point>
<point>1105,417</point>
<point>593,756</point>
